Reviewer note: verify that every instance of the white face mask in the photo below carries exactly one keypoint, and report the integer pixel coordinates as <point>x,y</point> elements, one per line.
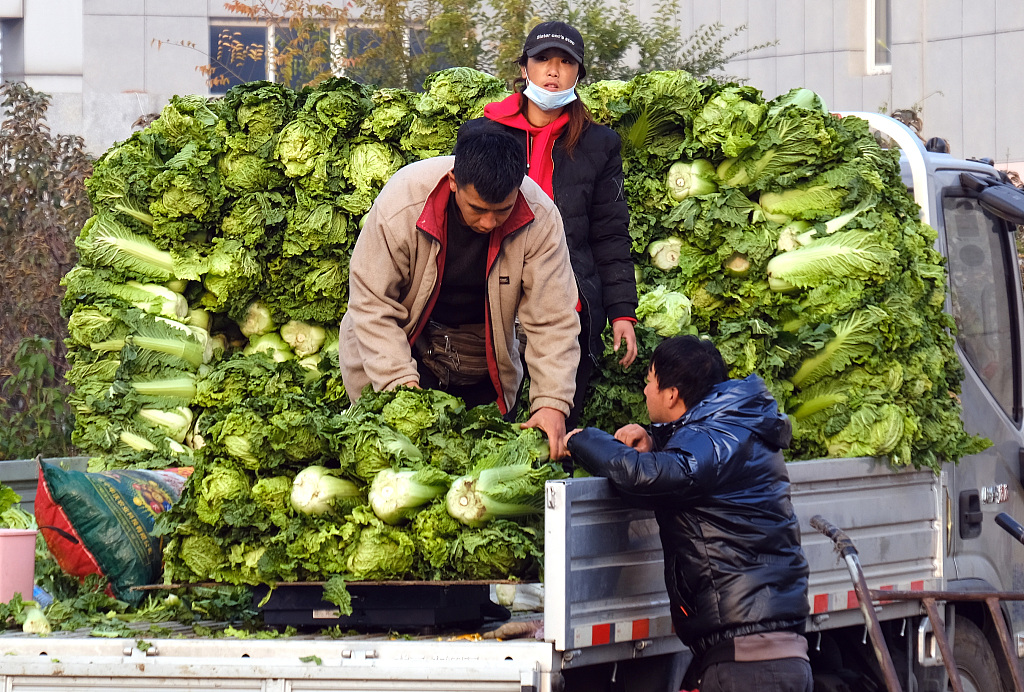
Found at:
<point>549,100</point>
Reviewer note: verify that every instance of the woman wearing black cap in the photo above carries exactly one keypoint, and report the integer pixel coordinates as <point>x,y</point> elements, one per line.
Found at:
<point>579,164</point>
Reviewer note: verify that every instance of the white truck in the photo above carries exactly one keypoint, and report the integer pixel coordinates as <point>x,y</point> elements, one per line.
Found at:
<point>605,610</point>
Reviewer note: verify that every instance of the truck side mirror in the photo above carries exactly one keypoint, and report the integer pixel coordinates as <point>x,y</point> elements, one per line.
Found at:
<point>1000,199</point>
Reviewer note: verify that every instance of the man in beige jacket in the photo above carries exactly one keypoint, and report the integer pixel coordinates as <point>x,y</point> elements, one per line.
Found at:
<point>454,249</point>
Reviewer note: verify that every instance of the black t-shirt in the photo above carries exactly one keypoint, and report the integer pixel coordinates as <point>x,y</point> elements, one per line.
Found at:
<point>463,291</point>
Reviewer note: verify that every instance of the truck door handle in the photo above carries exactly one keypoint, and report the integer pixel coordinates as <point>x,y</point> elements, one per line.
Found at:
<point>970,514</point>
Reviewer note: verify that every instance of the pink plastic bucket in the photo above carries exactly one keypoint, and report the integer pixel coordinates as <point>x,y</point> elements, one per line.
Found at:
<point>17,563</point>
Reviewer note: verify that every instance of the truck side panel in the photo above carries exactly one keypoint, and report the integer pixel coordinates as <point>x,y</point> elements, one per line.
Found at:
<point>895,520</point>
<point>604,575</point>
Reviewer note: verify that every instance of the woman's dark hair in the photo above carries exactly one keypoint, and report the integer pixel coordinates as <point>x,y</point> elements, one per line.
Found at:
<point>490,159</point>
<point>579,116</point>
<point>691,365</point>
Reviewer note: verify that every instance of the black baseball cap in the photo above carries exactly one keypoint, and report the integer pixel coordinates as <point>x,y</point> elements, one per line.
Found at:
<point>554,35</point>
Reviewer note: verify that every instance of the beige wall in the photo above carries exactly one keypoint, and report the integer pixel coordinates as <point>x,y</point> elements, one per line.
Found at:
<point>957,61</point>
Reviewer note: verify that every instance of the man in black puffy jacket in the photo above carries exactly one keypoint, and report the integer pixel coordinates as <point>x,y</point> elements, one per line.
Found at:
<point>711,467</point>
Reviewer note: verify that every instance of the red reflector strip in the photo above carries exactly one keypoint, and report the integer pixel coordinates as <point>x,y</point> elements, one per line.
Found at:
<point>624,631</point>
<point>847,600</point>
<point>851,599</point>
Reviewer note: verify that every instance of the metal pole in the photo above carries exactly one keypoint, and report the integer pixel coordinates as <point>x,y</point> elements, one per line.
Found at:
<point>845,547</point>
<point>939,627</point>
<point>1004,641</point>
<point>867,607</point>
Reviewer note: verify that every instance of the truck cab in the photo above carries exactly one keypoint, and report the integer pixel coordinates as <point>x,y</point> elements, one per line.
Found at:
<point>976,211</point>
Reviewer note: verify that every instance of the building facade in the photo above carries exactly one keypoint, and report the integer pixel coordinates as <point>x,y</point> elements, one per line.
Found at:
<point>952,64</point>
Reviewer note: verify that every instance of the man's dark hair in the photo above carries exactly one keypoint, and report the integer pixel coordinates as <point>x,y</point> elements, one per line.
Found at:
<point>691,365</point>
<point>491,159</point>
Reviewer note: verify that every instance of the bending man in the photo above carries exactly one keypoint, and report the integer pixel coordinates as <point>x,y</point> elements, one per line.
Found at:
<point>454,249</point>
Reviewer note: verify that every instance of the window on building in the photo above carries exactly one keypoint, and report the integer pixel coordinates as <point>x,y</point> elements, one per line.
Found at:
<point>238,53</point>
<point>305,54</point>
<point>878,35</point>
<point>418,45</point>
<point>371,68</point>
<point>359,40</point>
<point>12,50</point>
<point>241,53</point>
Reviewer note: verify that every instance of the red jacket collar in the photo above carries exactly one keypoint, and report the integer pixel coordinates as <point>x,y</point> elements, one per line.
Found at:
<point>506,110</point>
<point>509,112</point>
<point>540,141</point>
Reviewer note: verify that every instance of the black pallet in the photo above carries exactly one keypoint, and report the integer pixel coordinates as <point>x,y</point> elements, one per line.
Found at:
<point>408,607</point>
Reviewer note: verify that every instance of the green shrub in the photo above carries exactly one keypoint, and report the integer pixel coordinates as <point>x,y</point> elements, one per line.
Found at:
<point>36,419</point>
<point>43,206</point>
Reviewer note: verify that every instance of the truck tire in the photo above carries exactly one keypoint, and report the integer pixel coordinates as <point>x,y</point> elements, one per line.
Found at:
<point>975,660</point>
<point>829,682</point>
<point>908,682</point>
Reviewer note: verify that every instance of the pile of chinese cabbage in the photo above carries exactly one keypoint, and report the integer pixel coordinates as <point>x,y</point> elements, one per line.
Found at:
<point>203,313</point>
<point>225,227</point>
<point>786,235</point>
<point>284,485</point>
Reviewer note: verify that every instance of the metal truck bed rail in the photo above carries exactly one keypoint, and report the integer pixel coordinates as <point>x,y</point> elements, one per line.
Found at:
<point>604,576</point>
<point>273,665</point>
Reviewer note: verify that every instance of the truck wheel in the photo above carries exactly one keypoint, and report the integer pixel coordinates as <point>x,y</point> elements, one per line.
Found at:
<point>828,682</point>
<point>899,661</point>
<point>975,660</point>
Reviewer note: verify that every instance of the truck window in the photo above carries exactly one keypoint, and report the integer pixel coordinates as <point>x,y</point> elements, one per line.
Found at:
<point>979,287</point>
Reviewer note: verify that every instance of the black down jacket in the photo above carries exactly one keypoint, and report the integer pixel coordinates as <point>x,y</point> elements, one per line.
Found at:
<point>590,196</point>
<point>720,491</point>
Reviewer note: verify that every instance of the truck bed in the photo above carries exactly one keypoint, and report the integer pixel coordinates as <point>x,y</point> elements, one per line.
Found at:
<point>604,576</point>
<point>604,601</point>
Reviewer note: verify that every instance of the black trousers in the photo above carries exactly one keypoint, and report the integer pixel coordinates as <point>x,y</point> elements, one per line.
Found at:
<point>583,373</point>
<point>777,675</point>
